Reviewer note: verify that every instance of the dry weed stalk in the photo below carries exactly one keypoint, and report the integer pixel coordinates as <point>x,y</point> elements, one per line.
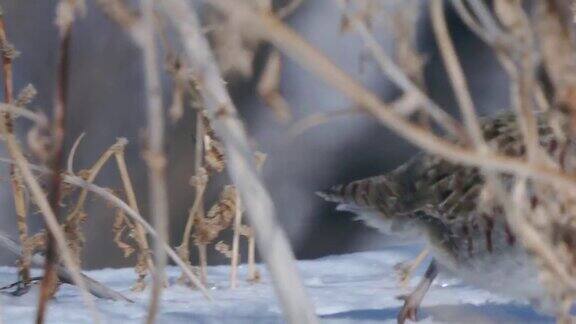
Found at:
<point>8,55</point>
<point>119,12</point>
<point>269,85</point>
<point>404,27</point>
<point>456,75</point>
<point>154,156</point>
<point>246,230</point>
<point>235,257</point>
<point>144,262</point>
<point>180,83</point>
<point>66,11</point>
<point>253,273</point>
<point>199,182</point>
<point>397,75</point>
<point>41,201</point>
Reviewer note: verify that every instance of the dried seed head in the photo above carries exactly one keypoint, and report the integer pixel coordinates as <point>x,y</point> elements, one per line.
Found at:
<point>8,50</point>
<point>26,95</point>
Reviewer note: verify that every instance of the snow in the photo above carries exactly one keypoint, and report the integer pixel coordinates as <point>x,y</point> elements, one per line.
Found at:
<point>352,288</point>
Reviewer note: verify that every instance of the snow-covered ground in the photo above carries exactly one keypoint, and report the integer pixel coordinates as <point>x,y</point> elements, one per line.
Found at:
<point>353,288</point>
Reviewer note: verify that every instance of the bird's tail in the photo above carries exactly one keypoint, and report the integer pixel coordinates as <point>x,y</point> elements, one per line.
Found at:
<point>377,201</point>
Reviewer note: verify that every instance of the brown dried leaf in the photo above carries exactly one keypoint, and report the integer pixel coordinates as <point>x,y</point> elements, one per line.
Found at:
<point>214,157</point>
<point>219,217</point>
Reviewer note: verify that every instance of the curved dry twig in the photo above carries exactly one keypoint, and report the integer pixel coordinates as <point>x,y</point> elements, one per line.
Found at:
<point>72,154</point>
<point>311,121</point>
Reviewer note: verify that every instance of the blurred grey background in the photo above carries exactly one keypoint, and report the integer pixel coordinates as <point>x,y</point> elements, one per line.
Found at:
<point>106,102</point>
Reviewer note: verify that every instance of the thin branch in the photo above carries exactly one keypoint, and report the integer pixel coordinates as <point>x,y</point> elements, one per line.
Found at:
<point>140,233</point>
<point>236,243</point>
<point>406,105</point>
<point>155,157</point>
<point>289,9</point>
<point>253,274</point>
<point>199,182</point>
<point>119,12</point>
<point>72,154</point>
<point>311,121</point>
<point>65,15</point>
<point>470,21</point>
<point>272,241</point>
<point>522,70</point>
<point>488,22</point>
<point>392,70</point>
<point>455,73</point>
